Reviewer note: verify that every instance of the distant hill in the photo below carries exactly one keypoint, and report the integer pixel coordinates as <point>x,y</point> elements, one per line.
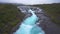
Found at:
<point>18,4</point>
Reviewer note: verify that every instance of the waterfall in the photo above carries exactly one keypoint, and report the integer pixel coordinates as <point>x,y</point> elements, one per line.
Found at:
<point>29,26</point>
<point>32,19</point>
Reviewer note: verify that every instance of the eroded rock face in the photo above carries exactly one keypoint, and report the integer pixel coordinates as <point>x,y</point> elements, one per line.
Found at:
<point>28,25</point>
<point>44,21</point>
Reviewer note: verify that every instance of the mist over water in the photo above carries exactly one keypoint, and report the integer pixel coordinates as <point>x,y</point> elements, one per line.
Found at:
<point>29,26</point>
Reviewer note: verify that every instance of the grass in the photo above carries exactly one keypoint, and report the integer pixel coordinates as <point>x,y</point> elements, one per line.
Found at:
<point>52,10</point>
<point>9,17</point>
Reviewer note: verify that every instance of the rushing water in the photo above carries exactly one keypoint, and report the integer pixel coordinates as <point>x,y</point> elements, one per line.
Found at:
<point>29,26</point>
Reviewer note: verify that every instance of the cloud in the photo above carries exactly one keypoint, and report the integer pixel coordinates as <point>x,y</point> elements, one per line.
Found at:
<point>31,1</point>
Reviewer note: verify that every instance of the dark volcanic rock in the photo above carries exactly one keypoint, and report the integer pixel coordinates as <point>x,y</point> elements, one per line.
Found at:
<point>44,21</point>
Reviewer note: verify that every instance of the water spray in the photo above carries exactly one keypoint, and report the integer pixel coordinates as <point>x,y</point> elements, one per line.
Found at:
<point>28,25</point>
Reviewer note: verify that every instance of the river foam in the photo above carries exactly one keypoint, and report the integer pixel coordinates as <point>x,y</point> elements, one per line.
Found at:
<point>29,26</point>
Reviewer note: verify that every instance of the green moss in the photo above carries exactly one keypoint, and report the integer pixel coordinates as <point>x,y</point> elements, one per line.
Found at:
<point>9,17</point>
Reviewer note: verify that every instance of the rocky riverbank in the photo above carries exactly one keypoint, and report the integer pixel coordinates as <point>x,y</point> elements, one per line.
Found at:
<point>45,22</point>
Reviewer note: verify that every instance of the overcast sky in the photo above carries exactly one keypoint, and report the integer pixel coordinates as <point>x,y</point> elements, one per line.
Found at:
<point>31,1</point>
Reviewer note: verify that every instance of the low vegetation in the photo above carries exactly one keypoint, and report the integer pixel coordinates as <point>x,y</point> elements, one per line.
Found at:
<point>9,17</point>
